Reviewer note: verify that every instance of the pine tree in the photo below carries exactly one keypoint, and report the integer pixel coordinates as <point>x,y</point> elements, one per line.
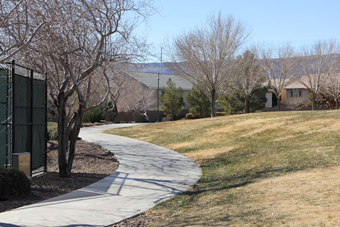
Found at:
<point>199,102</point>
<point>172,99</point>
<point>234,103</point>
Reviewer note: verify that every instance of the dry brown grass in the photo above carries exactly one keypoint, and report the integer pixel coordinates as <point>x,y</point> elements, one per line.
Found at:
<point>305,198</point>
<point>268,169</point>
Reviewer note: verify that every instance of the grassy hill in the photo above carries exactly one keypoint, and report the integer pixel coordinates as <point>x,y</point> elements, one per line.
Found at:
<point>263,169</point>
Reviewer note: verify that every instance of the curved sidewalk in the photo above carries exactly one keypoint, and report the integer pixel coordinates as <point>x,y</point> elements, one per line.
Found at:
<point>147,175</point>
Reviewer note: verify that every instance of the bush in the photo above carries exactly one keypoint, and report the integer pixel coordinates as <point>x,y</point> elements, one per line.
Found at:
<point>14,183</point>
<point>189,116</point>
<point>94,115</point>
<point>221,114</point>
<point>170,117</point>
<point>172,100</point>
<point>52,130</point>
<point>199,102</point>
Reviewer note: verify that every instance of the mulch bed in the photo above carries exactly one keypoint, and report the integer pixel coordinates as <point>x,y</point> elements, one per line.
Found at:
<point>91,164</point>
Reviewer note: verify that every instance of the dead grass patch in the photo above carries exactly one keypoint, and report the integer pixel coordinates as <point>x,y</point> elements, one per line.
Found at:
<point>267,169</point>
<point>202,155</point>
<point>310,197</point>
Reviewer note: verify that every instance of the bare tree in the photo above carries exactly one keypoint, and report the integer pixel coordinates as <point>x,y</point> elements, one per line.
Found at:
<point>16,28</point>
<point>280,67</point>
<point>137,98</point>
<point>81,37</point>
<point>249,76</point>
<point>205,56</point>
<point>318,62</point>
<point>117,74</point>
<point>118,80</point>
<point>332,88</point>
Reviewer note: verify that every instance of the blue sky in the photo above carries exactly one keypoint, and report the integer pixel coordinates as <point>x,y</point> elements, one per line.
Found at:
<point>272,22</point>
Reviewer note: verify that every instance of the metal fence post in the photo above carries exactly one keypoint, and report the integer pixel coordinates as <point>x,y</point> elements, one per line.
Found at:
<point>13,106</point>
<point>7,123</point>
<point>31,120</point>
<point>46,135</point>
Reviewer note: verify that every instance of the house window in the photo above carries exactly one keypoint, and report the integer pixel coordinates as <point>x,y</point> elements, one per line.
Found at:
<point>295,93</point>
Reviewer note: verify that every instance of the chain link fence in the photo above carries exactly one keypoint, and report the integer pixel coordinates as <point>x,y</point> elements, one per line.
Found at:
<point>3,117</point>
<point>23,115</point>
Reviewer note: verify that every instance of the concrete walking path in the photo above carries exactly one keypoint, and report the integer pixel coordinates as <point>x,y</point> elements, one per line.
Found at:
<point>147,175</point>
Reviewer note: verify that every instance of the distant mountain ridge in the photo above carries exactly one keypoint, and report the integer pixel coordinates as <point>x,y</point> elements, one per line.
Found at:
<point>153,68</point>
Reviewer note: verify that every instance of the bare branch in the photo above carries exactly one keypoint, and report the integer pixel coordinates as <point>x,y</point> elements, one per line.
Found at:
<point>318,63</point>
<point>280,66</point>
<point>204,56</point>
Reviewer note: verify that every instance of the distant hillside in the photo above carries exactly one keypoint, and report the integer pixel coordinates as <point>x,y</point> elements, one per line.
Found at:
<point>156,67</point>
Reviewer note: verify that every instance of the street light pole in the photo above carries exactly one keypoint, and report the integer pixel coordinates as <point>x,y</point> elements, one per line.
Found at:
<point>158,98</point>
<point>158,88</point>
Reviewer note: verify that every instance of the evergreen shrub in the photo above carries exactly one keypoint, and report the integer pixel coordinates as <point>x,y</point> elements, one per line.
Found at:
<point>94,115</point>
<point>14,183</point>
<point>189,116</point>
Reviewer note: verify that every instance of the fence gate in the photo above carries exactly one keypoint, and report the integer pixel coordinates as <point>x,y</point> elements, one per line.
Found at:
<point>23,115</point>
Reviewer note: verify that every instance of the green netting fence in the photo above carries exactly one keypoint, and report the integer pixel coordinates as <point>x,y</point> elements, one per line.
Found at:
<point>3,118</point>
<point>23,118</point>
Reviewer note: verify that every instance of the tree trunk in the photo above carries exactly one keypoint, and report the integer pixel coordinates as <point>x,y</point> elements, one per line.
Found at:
<point>113,113</point>
<point>134,118</point>
<point>62,136</point>
<point>246,105</point>
<point>313,101</point>
<point>67,136</point>
<point>213,99</point>
<point>74,136</point>
<point>279,103</point>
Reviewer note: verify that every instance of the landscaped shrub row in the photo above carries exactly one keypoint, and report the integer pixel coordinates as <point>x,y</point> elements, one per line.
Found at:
<point>13,183</point>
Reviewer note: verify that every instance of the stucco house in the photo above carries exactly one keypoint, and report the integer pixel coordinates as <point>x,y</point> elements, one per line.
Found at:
<point>150,80</point>
<point>296,93</point>
<point>271,97</point>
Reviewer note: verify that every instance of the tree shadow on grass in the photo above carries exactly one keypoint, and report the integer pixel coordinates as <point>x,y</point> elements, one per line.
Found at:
<point>230,182</point>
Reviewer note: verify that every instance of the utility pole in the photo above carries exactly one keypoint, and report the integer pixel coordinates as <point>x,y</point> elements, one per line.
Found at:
<point>158,120</point>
